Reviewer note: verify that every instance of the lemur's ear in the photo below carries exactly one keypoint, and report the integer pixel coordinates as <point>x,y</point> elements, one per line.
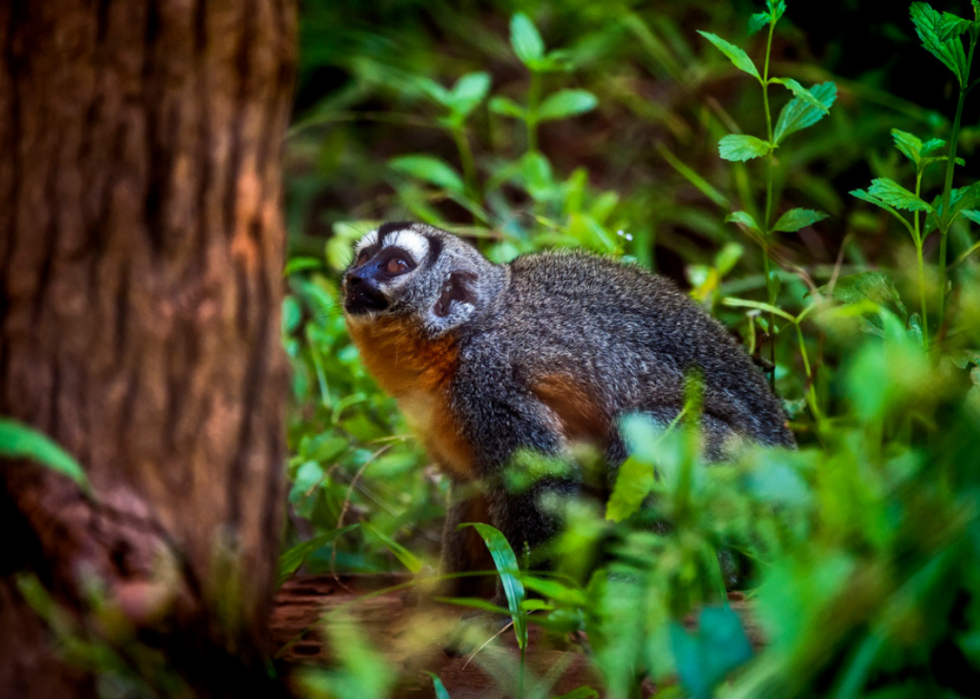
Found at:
<point>456,288</point>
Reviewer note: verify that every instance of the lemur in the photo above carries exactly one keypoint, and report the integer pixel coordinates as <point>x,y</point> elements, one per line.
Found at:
<point>486,360</point>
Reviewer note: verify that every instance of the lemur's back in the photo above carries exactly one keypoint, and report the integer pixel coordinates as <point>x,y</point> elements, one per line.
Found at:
<point>633,335</point>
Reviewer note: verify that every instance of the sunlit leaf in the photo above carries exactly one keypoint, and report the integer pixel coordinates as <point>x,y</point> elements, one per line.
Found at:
<point>928,25</point>
<point>510,575</point>
<point>894,194</point>
<point>525,39</point>
<point>795,219</point>
<point>802,93</point>
<point>758,21</point>
<point>19,441</point>
<point>566,103</point>
<point>801,113</point>
<point>507,107</point>
<point>743,218</point>
<point>429,169</point>
<point>742,147</point>
<point>469,92</point>
<point>736,55</point>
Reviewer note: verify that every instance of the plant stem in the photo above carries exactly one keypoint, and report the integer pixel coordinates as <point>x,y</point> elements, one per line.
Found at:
<point>770,289</point>
<point>466,160</point>
<point>533,97</point>
<point>922,272</point>
<point>944,221</point>
<point>811,391</point>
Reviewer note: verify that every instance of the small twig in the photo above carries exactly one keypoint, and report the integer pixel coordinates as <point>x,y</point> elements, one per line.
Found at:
<point>486,642</point>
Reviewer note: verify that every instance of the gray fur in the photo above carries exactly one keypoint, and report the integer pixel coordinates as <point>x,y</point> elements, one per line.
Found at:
<point>630,335</point>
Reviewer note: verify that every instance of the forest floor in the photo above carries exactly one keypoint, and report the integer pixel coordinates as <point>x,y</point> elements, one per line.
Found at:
<point>411,638</point>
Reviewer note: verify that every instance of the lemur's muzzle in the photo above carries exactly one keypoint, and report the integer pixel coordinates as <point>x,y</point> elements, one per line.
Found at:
<point>362,294</point>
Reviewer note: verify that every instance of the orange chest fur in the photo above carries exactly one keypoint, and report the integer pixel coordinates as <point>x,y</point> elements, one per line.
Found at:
<point>417,372</point>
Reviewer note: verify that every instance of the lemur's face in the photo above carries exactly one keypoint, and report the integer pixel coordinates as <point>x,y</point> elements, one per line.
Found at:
<point>414,271</point>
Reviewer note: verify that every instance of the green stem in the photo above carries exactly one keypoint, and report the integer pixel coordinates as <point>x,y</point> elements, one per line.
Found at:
<point>944,221</point>
<point>811,391</point>
<point>770,289</point>
<point>466,160</point>
<point>533,97</point>
<point>917,235</point>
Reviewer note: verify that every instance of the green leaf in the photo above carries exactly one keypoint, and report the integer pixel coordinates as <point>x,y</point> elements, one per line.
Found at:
<point>758,21</point>
<point>404,556</point>
<point>634,481</point>
<point>435,91</point>
<point>894,194</point>
<point>469,92</point>
<point>429,169</point>
<point>736,55</point>
<point>525,39</point>
<point>909,145</point>
<point>706,657</point>
<point>566,103</point>
<point>971,214</point>
<point>801,113</point>
<point>963,198</point>
<point>507,107</point>
<point>801,92</point>
<point>438,686</point>
<point>743,218</point>
<point>795,219</point>
<point>876,287</point>
<point>18,441</point>
<point>950,26</point>
<point>741,147</point>
<point>932,145</point>
<point>777,8</point>
<point>928,25</point>
<point>292,559</point>
<point>510,575</point>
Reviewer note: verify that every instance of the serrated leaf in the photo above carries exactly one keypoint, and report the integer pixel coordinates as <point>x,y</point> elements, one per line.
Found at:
<point>510,575</point>
<point>894,194</point>
<point>801,113</point>
<point>736,55</point>
<point>801,92</point>
<point>469,92</point>
<point>910,146</point>
<point>778,8</point>
<point>971,214</point>
<point>932,145</point>
<point>864,196</point>
<point>795,219</point>
<point>743,218</point>
<point>951,26</point>
<point>507,107</point>
<point>525,39</point>
<point>566,103</point>
<point>742,147</point>
<point>429,169</point>
<point>928,24</point>
<point>876,287</point>
<point>19,441</point>
<point>758,21</point>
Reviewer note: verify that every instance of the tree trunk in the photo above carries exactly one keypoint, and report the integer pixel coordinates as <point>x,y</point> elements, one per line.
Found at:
<point>140,279</point>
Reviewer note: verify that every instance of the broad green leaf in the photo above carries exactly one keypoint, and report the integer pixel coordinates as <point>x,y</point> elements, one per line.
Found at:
<point>801,92</point>
<point>429,169</point>
<point>634,481</point>
<point>736,55</point>
<point>510,575</point>
<point>758,21</point>
<point>795,219</point>
<point>707,656</point>
<point>801,113</point>
<point>971,214</point>
<point>950,26</point>
<point>405,557</point>
<point>928,24</point>
<point>18,441</point>
<point>743,218</point>
<point>963,198</point>
<point>894,194</point>
<point>438,686</point>
<point>507,107</point>
<point>469,92</point>
<point>728,257</point>
<point>741,147</point>
<point>434,90</point>
<point>909,145</point>
<point>778,8</point>
<point>566,103</point>
<point>932,145</point>
<point>525,39</point>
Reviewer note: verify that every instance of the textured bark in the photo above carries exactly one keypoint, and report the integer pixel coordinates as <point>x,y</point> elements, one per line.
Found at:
<point>140,278</point>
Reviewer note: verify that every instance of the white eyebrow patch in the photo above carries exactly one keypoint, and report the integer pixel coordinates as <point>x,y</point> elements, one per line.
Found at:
<point>369,239</point>
<point>413,243</point>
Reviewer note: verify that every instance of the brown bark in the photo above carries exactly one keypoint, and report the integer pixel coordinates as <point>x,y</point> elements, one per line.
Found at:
<point>140,279</point>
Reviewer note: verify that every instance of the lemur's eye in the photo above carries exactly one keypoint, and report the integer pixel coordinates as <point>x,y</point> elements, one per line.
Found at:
<point>362,258</point>
<point>396,266</point>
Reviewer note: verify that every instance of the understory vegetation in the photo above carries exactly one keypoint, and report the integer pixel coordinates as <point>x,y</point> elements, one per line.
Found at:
<point>828,222</point>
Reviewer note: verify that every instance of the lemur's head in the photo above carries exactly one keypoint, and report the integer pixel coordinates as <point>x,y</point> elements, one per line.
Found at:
<point>423,274</point>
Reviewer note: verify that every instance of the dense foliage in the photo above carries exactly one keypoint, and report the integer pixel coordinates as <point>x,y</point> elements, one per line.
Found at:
<point>610,130</point>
